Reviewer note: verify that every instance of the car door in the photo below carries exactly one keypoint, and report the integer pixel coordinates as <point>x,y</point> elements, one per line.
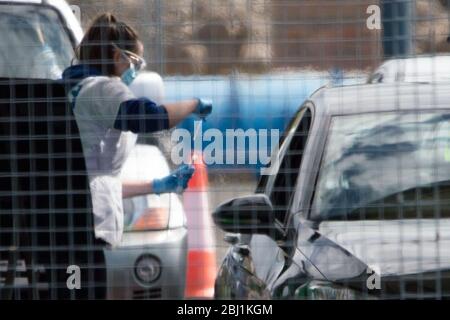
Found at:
<point>380,207</point>
<point>256,261</point>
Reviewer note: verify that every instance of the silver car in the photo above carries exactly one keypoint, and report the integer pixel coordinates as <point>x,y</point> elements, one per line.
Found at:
<point>150,263</point>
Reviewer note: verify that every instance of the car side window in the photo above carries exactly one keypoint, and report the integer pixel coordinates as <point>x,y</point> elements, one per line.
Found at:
<point>420,202</point>
<point>385,166</point>
<point>281,186</point>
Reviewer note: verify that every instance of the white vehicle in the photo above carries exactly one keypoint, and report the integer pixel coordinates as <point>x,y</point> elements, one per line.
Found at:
<point>150,263</point>
<point>417,69</point>
<point>38,38</point>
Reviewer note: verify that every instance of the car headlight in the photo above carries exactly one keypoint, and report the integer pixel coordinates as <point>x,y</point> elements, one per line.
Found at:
<point>166,211</point>
<point>152,219</point>
<point>147,269</point>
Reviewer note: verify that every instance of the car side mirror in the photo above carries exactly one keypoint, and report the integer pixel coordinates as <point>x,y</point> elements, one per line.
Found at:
<point>249,215</point>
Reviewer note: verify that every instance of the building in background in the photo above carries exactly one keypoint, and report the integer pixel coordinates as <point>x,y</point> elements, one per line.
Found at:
<point>218,37</point>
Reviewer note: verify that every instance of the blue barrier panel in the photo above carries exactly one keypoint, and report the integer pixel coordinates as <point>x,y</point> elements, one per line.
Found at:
<point>244,102</point>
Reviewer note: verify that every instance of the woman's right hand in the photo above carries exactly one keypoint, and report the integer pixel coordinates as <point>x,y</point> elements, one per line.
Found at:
<point>204,108</point>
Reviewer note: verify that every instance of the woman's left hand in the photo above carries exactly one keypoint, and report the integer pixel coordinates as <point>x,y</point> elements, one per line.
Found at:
<point>176,182</point>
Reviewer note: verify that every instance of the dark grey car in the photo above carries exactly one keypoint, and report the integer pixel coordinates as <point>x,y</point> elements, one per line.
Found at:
<point>359,206</point>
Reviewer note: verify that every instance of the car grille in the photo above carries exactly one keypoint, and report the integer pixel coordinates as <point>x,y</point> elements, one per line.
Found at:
<point>147,294</point>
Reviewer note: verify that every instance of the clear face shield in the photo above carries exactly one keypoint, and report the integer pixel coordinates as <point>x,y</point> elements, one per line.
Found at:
<point>137,64</point>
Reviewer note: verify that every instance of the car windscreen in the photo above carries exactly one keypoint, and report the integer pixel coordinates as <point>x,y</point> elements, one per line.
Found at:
<point>34,42</point>
<point>385,166</point>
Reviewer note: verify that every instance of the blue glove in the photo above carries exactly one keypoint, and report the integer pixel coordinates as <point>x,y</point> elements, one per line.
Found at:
<point>176,182</point>
<point>203,109</point>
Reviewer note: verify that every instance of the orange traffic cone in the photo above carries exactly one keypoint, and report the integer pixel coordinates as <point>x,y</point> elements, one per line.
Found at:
<point>201,264</point>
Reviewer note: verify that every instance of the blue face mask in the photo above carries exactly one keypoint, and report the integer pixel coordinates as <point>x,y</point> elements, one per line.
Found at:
<point>129,75</point>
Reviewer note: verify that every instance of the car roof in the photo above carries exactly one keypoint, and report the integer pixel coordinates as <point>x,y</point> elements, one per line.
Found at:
<point>412,61</point>
<point>369,98</point>
<point>416,69</point>
<point>22,1</point>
